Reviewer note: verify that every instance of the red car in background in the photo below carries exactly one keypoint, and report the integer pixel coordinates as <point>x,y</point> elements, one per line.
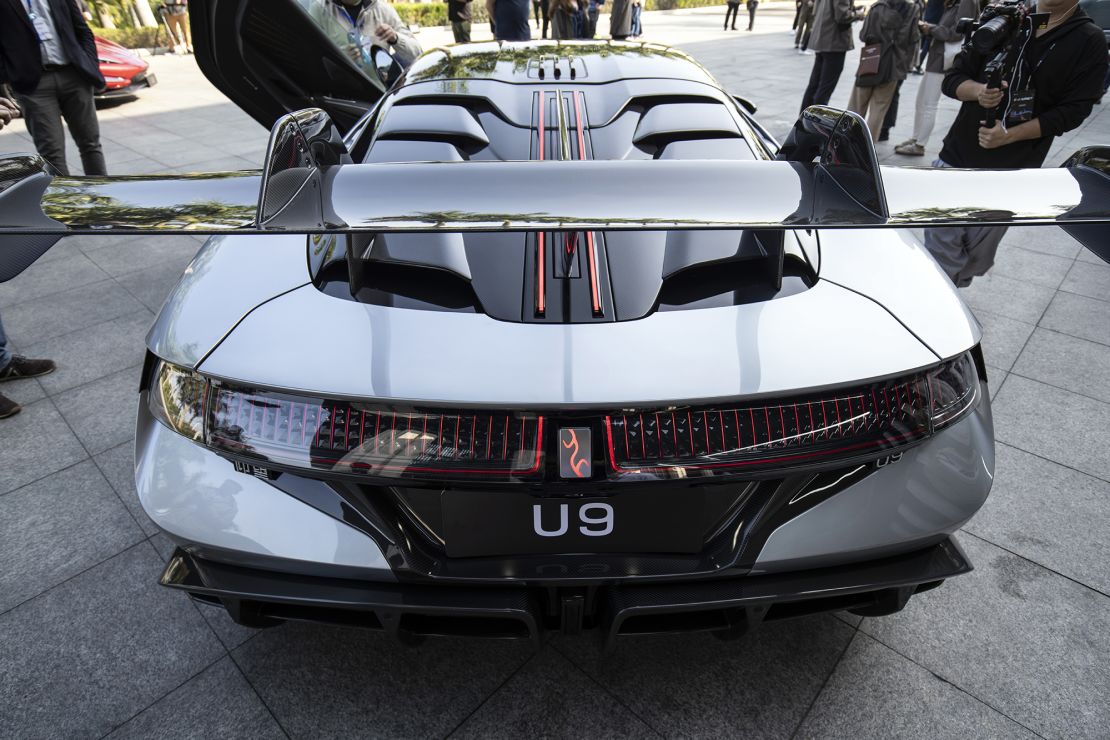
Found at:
<point>125,73</point>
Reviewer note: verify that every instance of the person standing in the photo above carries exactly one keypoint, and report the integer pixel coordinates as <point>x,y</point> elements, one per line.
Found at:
<point>510,19</point>
<point>831,40</point>
<point>592,12</point>
<point>562,19</point>
<point>731,9</point>
<point>620,20</point>
<point>802,30</point>
<point>752,5</point>
<point>12,366</point>
<point>176,15</point>
<point>48,54</point>
<point>891,24</point>
<point>540,8</point>
<point>1060,80</point>
<point>943,35</point>
<point>353,25</point>
<point>458,13</point>
<point>637,14</point>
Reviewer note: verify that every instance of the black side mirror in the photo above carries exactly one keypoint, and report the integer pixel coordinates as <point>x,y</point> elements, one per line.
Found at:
<point>389,71</point>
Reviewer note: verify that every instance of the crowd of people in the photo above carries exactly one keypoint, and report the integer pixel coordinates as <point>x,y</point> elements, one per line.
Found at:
<point>563,19</point>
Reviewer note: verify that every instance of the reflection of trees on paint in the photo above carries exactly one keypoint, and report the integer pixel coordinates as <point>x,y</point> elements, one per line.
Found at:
<point>456,64</point>
<point>220,200</point>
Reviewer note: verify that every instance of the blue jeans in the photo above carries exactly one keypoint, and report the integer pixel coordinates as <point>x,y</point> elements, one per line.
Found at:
<point>636,28</point>
<point>5,352</point>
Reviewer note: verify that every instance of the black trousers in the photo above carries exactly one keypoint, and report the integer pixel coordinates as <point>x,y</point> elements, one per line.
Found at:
<point>731,9</point>
<point>64,93</point>
<point>827,66</point>
<point>751,15</point>
<point>461,31</point>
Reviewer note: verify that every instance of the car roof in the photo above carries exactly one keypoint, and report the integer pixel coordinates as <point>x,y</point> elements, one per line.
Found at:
<point>584,62</point>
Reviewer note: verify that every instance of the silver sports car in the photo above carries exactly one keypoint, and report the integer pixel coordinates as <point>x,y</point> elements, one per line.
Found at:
<point>549,336</point>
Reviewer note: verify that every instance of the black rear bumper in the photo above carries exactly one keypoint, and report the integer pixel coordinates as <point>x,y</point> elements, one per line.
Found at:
<point>407,611</point>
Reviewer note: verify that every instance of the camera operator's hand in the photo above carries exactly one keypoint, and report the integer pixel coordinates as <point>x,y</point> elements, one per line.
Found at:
<point>991,97</point>
<point>993,137</point>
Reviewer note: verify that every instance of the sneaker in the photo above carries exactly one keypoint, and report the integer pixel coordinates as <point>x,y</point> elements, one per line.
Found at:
<point>910,148</point>
<point>20,367</point>
<point>8,407</point>
<point>808,52</point>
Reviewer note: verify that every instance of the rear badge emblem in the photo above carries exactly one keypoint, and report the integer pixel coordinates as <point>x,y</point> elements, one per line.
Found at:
<point>575,452</point>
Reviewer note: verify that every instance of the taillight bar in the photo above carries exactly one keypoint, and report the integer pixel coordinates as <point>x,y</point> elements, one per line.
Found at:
<point>360,438</point>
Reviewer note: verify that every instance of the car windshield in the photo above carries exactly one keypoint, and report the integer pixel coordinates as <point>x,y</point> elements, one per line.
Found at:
<point>329,18</point>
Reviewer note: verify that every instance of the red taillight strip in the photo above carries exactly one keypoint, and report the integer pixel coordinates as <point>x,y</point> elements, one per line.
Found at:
<point>541,255</point>
<point>591,246</point>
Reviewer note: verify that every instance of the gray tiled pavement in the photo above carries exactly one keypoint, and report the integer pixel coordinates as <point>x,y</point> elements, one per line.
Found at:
<point>90,645</point>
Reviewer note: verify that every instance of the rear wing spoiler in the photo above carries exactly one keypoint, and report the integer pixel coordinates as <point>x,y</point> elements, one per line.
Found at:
<point>827,177</point>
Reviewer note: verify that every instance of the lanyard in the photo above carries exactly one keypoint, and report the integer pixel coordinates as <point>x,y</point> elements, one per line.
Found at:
<point>354,23</point>
<point>1043,57</point>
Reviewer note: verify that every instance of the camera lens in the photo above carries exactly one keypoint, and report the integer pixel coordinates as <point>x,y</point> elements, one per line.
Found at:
<point>991,34</point>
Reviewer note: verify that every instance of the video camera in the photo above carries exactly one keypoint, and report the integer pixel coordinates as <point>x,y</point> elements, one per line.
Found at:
<point>1001,32</point>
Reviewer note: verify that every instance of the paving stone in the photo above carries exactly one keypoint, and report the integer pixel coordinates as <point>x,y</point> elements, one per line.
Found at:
<point>1017,299</point>
<point>1045,239</point>
<point>118,466</point>
<point>323,681</point>
<point>232,635</point>
<point>48,277</point>
<point>1052,515</point>
<point>1029,643</point>
<point>1091,280</point>
<point>995,380</point>
<point>89,654</point>
<point>1055,424</point>
<point>1003,338</point>
<point>695,685</point>
<point>876,693</point>
<point>72,310</point>
<point>57,527</point>
<point>1034,267</point>
<point>1061,360</point>
<point>92,353</point>
<point>163,545</point>
<point>218,703</point>
<point>1079,316</point>
<point>144,252</point>
<point>35,443</point>
<point>550,697</point>
<point>24,391</point>
<point>102,413</point>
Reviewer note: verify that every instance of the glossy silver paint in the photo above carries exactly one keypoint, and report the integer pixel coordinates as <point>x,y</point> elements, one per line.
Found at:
<point>823,336</point>
<point>227,278</point>
<point>894,269</point>
<point>196,496</point>
<point>457,196</point>
<point>909,503</point>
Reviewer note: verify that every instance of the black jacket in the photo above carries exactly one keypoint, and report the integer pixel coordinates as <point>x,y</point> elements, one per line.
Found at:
<point>20,56</point>
<point>1068,66</point>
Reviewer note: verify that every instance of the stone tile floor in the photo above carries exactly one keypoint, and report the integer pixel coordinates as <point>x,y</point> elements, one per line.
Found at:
<point>91,646</point>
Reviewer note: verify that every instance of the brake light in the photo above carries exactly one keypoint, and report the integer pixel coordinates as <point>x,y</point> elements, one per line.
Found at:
<point>804,429</point>
<point>363,438</point>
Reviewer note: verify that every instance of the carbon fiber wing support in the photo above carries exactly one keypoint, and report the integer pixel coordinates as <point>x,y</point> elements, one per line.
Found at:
<point>828,177</point>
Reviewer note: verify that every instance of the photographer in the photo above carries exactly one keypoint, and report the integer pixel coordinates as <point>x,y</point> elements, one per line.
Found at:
<point>1051,89</point>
